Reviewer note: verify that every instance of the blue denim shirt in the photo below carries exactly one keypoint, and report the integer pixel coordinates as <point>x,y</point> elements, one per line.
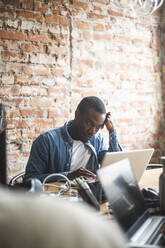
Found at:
<point>51,152</point>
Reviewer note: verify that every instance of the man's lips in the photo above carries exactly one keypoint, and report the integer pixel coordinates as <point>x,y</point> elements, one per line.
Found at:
<point>89,136</point>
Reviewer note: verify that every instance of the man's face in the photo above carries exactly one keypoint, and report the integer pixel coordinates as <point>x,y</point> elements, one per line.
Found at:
<point>88,123</point>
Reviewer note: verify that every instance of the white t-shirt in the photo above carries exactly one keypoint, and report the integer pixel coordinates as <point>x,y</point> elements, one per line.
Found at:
<point>80,155</point>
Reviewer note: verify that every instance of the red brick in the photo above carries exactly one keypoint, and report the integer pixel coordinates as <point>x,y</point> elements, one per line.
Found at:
<point>13,68</point>
<point>53,48</point>
<point>27,47</point>
<point>61,40</point>
<point>157,68</point>
<point>36,70</point>
<point>57,91</point>
<point>13,156</point>
<point>104,2</point>
<point>59,122</point>
<point>13,134</point>
<point>88,63</point>
<point>26,154</point>
<point>85,83</point>
<point>30,135</point>
<point>58,10</point>
<point>41,102</point>
<point>115,13</point>
<point>96,16</point>
<point>30,15</point>
<point>75,13</point>
<point>10,13</point>
<point>17,124</point>
<point>58,1</point>
<point>89,92</point>
<point>98,9</point>
<point>42,59</point>
<point>38,6</point>
<point>122,39</point>
<point>82,25</point>
<point>14,57</point>
<point>56,19</point>
<point>12,113</point>
<point>9,90</point>
<point>8,79</point>
<point>2,43</point>
<point>56,113</point>
<point>98,27</point>
<point>41,124</point>
<point>57,72</point>
<point>11,45</point>
<point>80,5</point>
<point>28,4</point>
<point>14,102</point>
<point>12,35</point>
<point>98,36</point>
<point>32,113</point>
<point>33,91</point>
<point>43,38</point>
<point>22,80</point>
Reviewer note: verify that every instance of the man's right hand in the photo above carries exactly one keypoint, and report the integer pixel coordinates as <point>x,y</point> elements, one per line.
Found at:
<point>81,172</point>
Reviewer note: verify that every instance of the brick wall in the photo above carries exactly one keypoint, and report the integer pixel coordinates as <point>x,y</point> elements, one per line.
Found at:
<point>53,53</point>
<point>162,136</point>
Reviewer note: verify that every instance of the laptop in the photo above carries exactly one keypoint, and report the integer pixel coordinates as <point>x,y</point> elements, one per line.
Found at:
<point>128,205</point>
<point>138,159</point>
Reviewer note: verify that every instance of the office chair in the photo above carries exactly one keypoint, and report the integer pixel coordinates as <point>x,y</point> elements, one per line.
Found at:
<point>17,180</point>
<point>30,185</point>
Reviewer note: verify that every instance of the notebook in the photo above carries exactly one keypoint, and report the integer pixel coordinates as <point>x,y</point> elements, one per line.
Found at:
<point>128,205</point>
<point>138,159</point>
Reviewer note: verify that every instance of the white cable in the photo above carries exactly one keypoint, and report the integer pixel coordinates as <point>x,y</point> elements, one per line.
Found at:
<point>62,188</point>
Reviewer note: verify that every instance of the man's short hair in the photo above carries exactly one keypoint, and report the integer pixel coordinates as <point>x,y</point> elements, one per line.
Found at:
<point>91,102</point>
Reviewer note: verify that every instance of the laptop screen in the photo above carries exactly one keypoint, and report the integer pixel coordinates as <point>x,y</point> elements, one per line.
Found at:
<point>122,192</point>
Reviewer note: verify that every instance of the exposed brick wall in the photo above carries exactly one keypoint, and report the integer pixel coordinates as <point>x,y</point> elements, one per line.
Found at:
<point>53,53</point>
<point>162,136</point>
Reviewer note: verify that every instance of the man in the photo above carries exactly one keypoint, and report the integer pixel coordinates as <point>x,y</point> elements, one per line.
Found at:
<point>77,148</point>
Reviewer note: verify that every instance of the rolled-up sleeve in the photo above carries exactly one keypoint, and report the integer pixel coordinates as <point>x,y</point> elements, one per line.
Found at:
<point>114,145</point>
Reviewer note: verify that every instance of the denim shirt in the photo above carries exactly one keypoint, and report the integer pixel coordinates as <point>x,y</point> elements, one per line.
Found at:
<point>51,153</point>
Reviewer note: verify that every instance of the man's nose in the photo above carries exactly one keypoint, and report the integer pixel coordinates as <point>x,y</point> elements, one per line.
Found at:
<point>93,130</point>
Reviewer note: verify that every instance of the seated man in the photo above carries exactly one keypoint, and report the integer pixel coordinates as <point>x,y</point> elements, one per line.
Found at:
<point>75,149</point>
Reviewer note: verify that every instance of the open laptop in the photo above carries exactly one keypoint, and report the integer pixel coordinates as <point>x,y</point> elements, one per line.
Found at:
<point>138,159</point>
<point>128,205</point>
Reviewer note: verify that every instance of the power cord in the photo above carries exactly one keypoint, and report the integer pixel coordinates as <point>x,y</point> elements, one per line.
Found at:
<point>62,188</point>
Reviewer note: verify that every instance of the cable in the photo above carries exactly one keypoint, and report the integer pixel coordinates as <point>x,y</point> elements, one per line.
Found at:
<point>62,188</point>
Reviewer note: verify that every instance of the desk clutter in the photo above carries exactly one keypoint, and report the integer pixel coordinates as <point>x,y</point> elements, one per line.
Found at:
<point>141,226</point>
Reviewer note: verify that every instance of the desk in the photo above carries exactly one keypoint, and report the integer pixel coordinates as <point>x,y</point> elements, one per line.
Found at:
<point>150,179</point>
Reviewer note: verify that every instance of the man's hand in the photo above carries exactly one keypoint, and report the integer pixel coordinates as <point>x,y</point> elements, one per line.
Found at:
<point>108,123</point>
<point>81,172</point>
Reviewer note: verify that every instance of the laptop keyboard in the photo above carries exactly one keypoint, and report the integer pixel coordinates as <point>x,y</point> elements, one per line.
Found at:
<point>147,232</point>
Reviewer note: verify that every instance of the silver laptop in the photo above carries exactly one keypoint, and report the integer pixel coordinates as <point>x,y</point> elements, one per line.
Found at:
<point>128,205</point>
<point>139,159</point>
